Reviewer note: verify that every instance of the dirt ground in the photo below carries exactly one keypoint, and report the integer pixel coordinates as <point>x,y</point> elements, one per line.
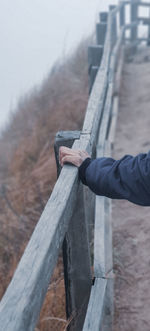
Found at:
<point>131,223</point>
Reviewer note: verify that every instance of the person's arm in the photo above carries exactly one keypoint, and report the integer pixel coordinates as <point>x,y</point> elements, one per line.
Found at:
<point>127,178</point>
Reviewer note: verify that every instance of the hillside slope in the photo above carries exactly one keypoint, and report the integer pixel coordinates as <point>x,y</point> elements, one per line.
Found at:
<point>27,168</point>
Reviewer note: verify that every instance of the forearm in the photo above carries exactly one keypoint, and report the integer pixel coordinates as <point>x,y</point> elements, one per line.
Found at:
<point>127,178</point>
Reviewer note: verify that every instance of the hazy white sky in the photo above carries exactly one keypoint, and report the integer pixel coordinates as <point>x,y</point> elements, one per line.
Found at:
<point>33,34</point>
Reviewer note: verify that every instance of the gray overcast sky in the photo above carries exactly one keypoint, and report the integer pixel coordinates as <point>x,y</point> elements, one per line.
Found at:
<point>33,34</point>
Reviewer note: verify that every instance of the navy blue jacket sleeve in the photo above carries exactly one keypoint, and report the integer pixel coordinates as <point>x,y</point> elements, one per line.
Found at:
<point>127,178</point>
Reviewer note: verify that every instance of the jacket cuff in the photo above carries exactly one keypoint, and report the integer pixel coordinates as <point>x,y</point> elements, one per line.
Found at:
<point>82,170</point>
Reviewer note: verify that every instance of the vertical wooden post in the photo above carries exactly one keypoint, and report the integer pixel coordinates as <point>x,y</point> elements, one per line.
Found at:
<point>114,27</point>
<point>95,52</point>
<point>122,15</point>
<point>111,7</point>
<point>89,210</point>
<point>76,253</point>
<point>64,138</point>
<point>95,55</point>
<point>101,33</point>
<point>78,266</point>
<point>148,37</point>
<point>94,59</point>
<point>148,41</point>
<point>109,299</point>
<point>134,12</point>
<point>103,16</point>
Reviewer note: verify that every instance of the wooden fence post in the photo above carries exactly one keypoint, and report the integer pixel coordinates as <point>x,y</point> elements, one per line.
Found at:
<point>134,12</point>
<point>122,15</point>
<point>64,138</point>
<point>101,33</point>
<point>95,52</point>
<point>76,253</point>
<point>148,39</point>
<point>103,16</point>
<point>94,59</point>
<point>95,55</point>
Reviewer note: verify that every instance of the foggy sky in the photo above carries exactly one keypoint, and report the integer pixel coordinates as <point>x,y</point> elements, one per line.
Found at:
<point>33,34</point>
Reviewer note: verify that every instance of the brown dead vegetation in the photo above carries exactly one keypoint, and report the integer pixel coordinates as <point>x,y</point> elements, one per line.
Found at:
<point>28,171</point>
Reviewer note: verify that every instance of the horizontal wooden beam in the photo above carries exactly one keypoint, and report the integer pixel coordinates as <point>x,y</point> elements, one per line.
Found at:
<point>137,40</point>
<point>138,3</point>
<point>130,25</point>
<point>145,20</point>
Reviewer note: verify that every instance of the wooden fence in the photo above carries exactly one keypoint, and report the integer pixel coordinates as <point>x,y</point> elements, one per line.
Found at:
<point>73,215</point>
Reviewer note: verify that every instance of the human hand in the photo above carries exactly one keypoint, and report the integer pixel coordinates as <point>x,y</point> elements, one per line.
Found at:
<point>75,157</point>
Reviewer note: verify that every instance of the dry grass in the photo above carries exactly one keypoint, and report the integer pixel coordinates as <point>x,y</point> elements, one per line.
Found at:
<point>28,171</point>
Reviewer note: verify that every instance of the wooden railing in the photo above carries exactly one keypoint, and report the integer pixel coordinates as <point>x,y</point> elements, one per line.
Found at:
<point>73,213</point>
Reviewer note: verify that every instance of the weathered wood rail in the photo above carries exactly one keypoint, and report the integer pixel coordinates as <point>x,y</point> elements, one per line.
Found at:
<point>73,212</point>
